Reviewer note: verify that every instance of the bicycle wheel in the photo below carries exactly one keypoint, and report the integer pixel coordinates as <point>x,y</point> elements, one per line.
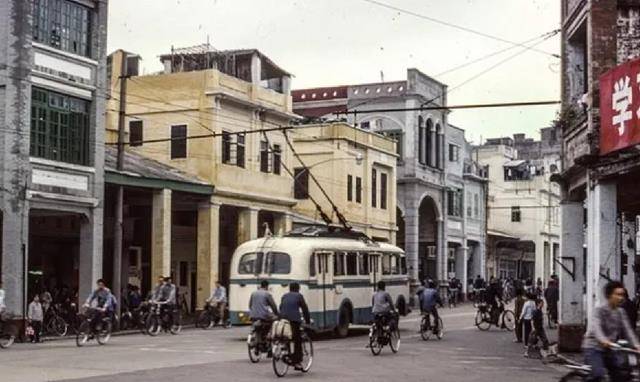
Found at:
<point>394,340</point>
<point>307,354</point>
<point>425,331</point>
<point>280,351</point>
<point>440,332</point>
<point>104,333</point>
<point>255,355</point>
<point>483,321</point>
<point>6,340</point>
<point>374,344</point>
<point>176,325</point>
<point>152,325</point>
<point>59,326</point>
<point>84,331</point>
<point>204,321</point>
<point>508,320</point>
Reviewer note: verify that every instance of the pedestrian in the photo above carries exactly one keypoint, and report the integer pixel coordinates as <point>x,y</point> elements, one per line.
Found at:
<point>35,316</point>
<point>526,316</point>
<point>46,300</point>
<point>519,305</point>
<point>538,333</point>
<point>552,295</point>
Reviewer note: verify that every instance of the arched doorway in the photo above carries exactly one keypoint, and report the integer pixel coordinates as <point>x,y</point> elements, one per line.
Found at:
<point>427,239</point>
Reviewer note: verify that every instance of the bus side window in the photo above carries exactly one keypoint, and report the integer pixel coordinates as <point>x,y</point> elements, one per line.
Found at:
<point>352,263</point>
<point>364,264</point>
<point>403,265</point>
<point>386,264</point>
<point>312,265</point>
<point>338,263</point>
<point>395,266</point>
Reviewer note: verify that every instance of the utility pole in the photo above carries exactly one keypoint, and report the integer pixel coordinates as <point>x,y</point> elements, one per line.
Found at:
<point>118,227</point>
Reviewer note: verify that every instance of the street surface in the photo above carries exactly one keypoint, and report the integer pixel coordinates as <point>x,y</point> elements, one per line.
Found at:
<point>465,354</point>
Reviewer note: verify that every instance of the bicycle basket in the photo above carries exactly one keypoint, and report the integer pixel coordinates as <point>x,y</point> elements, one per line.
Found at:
<point>281,329</point>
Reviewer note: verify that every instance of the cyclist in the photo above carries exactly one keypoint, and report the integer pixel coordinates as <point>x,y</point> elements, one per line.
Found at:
<point>154,295</point>
<point>218,299</point>
<point>494,298</point>
<point>262,308</point>
<point>382,305</point>
<point>290,307</point>
<point>608,324</point>
<point>454,290</point>
<point>100,299</point>
<point>429,299</point>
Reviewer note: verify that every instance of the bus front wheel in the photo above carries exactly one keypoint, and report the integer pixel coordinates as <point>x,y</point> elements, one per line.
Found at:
<point>342,330</point>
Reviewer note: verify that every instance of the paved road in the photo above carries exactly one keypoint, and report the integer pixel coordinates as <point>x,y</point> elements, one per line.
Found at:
<point>465,354</point>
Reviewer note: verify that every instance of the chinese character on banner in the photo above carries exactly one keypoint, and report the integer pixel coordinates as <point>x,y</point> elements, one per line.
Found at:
<point>620,107</point>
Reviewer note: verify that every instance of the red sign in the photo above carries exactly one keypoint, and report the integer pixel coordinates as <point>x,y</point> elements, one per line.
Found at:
<point>620,107</point>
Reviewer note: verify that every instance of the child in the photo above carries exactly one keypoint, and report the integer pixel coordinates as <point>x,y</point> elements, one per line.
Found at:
<point>519,306</point>
<point>538,331</point>
<point>35,316</point>
<point>526,316</point>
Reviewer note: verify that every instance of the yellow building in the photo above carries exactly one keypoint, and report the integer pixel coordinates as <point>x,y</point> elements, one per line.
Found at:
<point>357,169</point>
<point>204,116</point>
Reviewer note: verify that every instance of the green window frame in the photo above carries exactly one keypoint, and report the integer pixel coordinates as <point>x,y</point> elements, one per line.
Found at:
<point>62,24</point>
<point>59,127</point>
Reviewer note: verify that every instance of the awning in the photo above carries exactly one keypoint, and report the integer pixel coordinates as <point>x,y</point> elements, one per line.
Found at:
<point>515,163</point>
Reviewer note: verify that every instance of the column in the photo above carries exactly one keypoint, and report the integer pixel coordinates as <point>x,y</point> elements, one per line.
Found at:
<point>90,252</point>
<point>161,234</point>
<point>256,69</point>
<point>412,243</point>
<point>571,306</point>
<point>208,249</point>
<point>602,254</point>
<point>462,269</point>
<point>283,224</point>
<point>442,249</point>
<point>629,237</point>
<point>247,225</point>
<point>15,235</point>
<point>432,148</point>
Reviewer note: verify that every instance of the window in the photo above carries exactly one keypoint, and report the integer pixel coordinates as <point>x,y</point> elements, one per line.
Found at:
<point>515,214</point>
<point>403,265</point>
<point>454,153</point>
<point>365,125</point>
<point>301,183</point>
<point>363,264</point>
<point>226,147</point>
<point>349,188</point>
<point>59,127</point>
<point>439,146</point>
<point>476,205</point>
<point>374,187</point>
<point>62,24</point>
<point>430,143</point>
<point>386,264</point>
<point>264,156</point>
<point>338,264</point>
<point>240,150</point>
<point>358,189</point>
<point>184,273</point>
<point>178,141</point>
<point>278,263</point>
<point>135,133</point>
<point>395,264</point>
<point>397,135</point>
<point>421,141</point>
<point>277,159</point>
<point>454,203</point>
<point>250,264</point>
<point>469,204</point>
<point>352,263</point>
<point>383,191</point>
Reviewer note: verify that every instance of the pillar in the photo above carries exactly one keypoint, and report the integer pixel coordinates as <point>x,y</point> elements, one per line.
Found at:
<point>161,234</point>
<point>247,225</point>
<point>90,253</point>
<point>442,250</point>
<point>571,304</point>
<point>432,150</point>
<point>283,224</point>
<point>602,255</point>
<point>256,69</point>
<point>462,266</point>
<point>628,247</point>
<point>412,244</point>
<point>15,234</point>
<point>208,249</point>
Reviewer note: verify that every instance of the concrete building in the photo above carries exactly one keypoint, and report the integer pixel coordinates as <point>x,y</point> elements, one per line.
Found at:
<point>358,171</point>
<point>523,216</point>
<point>422,186</point>
<point>52,70</point>
<point>203,92</point>
<point>598,181</point>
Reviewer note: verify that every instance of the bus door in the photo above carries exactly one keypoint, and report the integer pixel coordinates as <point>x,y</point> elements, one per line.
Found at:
<point>324,275</point>
<point>375,268</point>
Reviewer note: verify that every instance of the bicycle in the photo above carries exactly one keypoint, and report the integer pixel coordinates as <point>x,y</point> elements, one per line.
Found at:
<point>258,340</point>
<point>6,339</point>
<point>135,318</point>
<point>630,368</point>
<point>162,319</point>
<point>92,326</point>
<point>485,317</point>
<point>384,331</point>
<point>282,351</point>
<point>210,317</point>
<point>426,330</point>
<point>54,323</point>
<point>453,298</point>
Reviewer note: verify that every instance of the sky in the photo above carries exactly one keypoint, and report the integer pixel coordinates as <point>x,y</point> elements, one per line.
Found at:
<point>342,42</point>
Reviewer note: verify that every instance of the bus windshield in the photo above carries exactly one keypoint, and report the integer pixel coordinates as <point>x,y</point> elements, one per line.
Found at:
<point>278,263</point>
<point>250,264</point>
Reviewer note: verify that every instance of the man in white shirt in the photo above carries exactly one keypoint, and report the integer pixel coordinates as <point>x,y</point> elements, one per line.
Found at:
<point>218,299</point>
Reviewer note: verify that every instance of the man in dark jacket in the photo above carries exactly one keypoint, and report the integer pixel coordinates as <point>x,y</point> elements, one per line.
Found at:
<point>552,295</point>
<point>291,307</point>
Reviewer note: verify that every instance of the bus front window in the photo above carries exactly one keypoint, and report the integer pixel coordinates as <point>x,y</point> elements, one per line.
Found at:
<point>278,263</point>
<point>250,264</point>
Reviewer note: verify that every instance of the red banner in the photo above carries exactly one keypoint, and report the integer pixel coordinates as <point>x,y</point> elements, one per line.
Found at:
<point>620,107</point>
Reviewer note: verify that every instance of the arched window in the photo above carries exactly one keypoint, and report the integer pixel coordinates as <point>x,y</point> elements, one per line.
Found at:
<point>429,144</point>
<point>439,146</point>
<point>421,140</point>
